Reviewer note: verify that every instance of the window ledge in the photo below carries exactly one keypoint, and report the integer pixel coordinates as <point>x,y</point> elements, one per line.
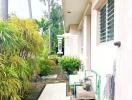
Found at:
<point>106,43</point>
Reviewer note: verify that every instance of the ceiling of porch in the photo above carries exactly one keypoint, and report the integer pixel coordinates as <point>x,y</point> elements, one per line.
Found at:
<point>73,11</point>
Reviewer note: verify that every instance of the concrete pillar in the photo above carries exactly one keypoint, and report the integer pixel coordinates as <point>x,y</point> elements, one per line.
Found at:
<point>71,45</point>
<point>67,45</point>
<point>30,8</point>
<point>87,42</point>
<point>59,37</point>
<point>4,9</point>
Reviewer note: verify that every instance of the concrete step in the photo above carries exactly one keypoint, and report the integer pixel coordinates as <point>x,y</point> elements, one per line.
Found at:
<point>54,92</point>
<point>68,98</point>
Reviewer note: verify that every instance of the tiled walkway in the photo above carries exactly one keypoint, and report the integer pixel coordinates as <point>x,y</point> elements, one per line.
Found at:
<point>54,92</point>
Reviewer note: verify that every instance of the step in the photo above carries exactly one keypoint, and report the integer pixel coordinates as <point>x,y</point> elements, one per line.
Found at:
<point>54,92</point>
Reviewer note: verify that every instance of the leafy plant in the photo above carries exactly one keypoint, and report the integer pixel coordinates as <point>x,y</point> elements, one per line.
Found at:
<point>56,17</point>
<point>69,64</point>
<point>43,24</point>
<point>20,43</point>
<point>45,70</point>
<point>55,23</point>
<point>9,83</point>
<point>55,58</point>
<point>45,67</point>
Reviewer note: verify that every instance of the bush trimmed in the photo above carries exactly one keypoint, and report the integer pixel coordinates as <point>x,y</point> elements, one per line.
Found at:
<point>70,64</point>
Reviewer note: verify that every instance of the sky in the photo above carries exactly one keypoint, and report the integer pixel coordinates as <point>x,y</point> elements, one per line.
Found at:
<point>20,8</point>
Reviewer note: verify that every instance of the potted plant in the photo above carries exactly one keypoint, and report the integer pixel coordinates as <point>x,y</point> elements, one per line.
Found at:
<point>69,64</point>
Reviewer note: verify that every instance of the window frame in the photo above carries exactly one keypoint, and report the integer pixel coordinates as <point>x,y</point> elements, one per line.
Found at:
<point>107,31</point>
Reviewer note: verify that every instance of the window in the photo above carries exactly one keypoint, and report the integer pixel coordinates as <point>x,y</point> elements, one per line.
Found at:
<point>107,22</point>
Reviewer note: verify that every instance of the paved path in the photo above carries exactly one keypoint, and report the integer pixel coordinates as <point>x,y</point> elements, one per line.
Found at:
<point>54,92</point>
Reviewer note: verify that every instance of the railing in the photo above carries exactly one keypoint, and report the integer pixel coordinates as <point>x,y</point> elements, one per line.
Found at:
<point>98,82</point>
<point>97,79</point>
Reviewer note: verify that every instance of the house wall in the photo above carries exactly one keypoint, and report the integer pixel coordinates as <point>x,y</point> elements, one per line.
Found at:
<point>78,43</point>
<point>87,42</point>
<point>123,32</point>
<point>73,42</point>
<point>102,54</point>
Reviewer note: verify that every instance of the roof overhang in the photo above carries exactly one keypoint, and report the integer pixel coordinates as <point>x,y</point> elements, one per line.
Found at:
<point>74,11</point>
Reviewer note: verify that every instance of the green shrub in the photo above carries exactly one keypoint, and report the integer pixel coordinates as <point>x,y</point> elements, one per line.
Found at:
<point>45,70</point>
<point>55,58</point>
<point>20,42</point>
<point>46,66</point>
<point>69,64</point>
<point>44,63</point>
<point>51,62</point>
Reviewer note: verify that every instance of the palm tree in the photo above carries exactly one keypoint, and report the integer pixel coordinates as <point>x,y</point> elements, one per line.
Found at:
<point>49,7</point>
<point>30,8</point>
<point>4,9</point>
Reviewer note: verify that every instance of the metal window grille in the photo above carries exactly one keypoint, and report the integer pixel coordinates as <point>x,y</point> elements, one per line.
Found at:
<point>107,22</point>
<point>103,24</point>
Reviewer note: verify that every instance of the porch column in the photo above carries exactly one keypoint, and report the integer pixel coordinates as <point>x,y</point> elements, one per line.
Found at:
<point>4,9</point>
<point>59,37</point>
<point>87,42</point>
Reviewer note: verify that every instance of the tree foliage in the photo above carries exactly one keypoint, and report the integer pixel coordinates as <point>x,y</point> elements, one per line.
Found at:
<point>56,19</point>
<point>43,25</point>
<point>56,23</point>
<point>29,31</point>
<point>20,43</point>
<point>70,64</point>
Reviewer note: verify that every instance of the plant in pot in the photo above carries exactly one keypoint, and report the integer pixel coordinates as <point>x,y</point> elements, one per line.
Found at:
<point>69,64</point>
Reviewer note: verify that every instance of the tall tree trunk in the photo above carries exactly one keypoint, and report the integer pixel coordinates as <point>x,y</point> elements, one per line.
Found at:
<point>30,8</point>
<point>49,6</point>
<point>4,9</point>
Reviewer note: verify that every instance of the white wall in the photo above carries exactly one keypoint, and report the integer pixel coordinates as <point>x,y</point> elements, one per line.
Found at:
<point>71,45</point>
<point>102,55</point>
<point>73,42</point>
<point>87,42</point>
<point>123,30</point>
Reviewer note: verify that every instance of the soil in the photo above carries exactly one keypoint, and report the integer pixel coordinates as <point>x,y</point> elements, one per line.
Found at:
<point>38,86</point>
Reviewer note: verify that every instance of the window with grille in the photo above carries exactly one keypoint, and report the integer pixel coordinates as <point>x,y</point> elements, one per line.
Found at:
<point>107,22</point>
